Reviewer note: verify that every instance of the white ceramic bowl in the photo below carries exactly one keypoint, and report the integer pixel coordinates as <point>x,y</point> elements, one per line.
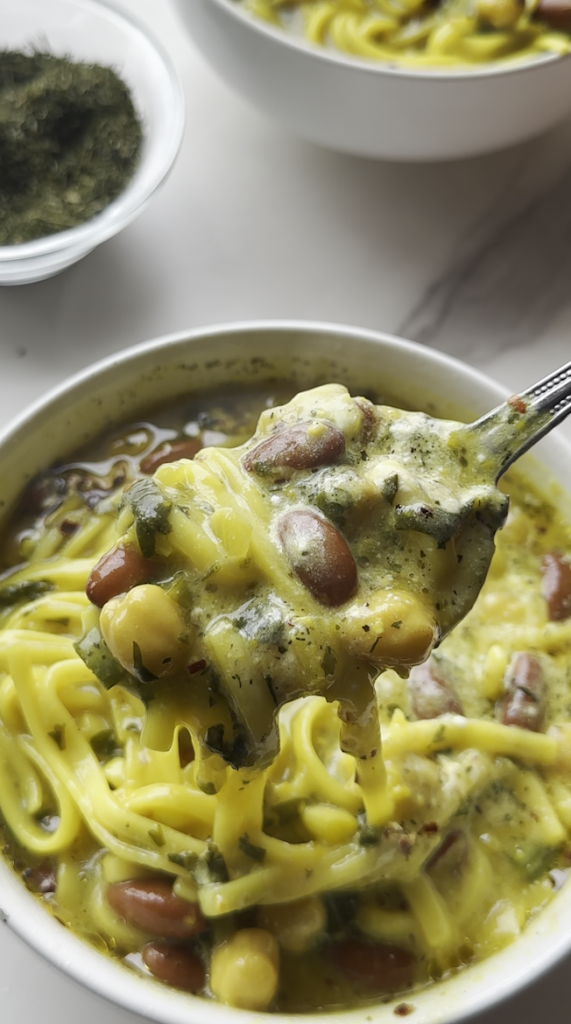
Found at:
<point>123,387</point>
<point>376,109</point>
<point>94,31</point>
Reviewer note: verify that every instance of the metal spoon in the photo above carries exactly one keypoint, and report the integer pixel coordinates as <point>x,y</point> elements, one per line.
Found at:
<point>513,427</point>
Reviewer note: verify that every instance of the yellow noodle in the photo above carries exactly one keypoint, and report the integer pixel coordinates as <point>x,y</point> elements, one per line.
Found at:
<point>414,35</point>
<point>316,820</point>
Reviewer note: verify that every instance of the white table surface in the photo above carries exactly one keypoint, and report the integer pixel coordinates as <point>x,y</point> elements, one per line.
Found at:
<point>473,258</point>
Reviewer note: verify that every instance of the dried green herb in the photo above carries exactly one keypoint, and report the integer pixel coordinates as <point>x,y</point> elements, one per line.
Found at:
<point>70,140</point>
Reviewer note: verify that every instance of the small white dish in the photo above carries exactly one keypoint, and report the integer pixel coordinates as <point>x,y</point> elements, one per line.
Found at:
<point>95,32</point>
<point>372,108</point>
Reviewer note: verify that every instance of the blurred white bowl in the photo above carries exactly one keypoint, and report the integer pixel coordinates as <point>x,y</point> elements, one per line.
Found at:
<point>376,109</point>
<point>95,32</point>
<point>124,387</point>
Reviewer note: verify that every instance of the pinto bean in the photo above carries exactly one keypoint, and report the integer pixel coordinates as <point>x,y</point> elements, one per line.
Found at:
<point>151,905</point>
<point>170,451</point>
<point>524,702</point>
<point>378,967</point>
<point>430,693</point>
<point>174,964</point>
<point>556,586</point>
<point>319,556</point>
<point>556,13</point>
<point>244,971</point>
<point>299,446</point>
<point>117,571</point>
<point>41,878</point>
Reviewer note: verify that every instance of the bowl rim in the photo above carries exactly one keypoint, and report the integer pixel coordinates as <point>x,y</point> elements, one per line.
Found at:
<point>82,238</point>
<point>274,34</point>
<point>139,994</point>
<point>239,327</point>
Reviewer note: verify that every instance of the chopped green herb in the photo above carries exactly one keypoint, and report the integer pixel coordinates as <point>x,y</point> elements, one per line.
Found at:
<point>234,751</point>
<point>439,735</point>
<point>368,836</point>
<point>93,650</point>
<point>151,511</point>
<point>216,864</point>
<point>208,787</point>
<point>207,868</point>
<point>335,508</point>
<point>431,520</point>
<point>257,853</point>
<point>262,620</point>
<point>390,488</point>
<point>534,860</point>
<point>186,859</point>
<point>142,673</point>
<point>26,590</point>
<point>58,736</point>
<point>105,744</point>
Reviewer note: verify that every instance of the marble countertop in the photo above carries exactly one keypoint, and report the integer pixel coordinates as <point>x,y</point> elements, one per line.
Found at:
<point>472,258</point>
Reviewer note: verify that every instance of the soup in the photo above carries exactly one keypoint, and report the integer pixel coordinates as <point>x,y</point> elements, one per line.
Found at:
<point>418,33</point>
<point>277,883</point>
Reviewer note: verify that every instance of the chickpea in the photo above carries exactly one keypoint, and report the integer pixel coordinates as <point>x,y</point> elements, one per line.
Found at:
<point>244,971</point>
<point>297,925</point>
<point>390,628</point>
<point>148,617</point>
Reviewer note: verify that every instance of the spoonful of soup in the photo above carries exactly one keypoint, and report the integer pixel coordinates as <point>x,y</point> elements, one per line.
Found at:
<point>343,538</point>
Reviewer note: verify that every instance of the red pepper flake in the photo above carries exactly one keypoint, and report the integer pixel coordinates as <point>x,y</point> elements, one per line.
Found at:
<point>517,403</point>
<point>403,1009</point>
<point>428,828</point>
<point>197,666</point>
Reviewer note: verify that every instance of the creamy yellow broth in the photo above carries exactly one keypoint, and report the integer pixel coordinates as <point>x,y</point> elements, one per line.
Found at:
<point>418,33</point>
<point>289,887</point>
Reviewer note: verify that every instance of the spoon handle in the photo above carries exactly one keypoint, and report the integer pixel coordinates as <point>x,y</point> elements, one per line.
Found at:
<point>508,431</point>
